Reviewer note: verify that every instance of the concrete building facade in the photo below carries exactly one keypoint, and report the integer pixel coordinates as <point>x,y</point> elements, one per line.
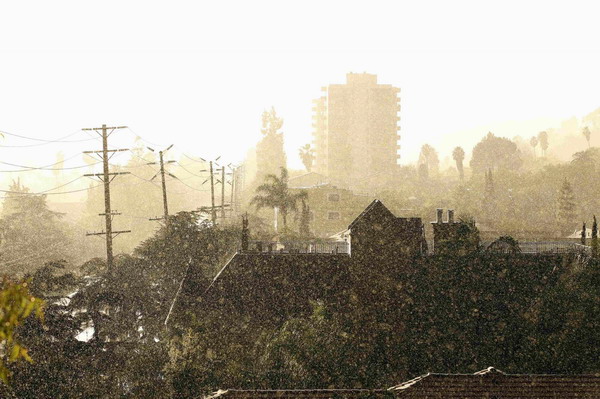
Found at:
<point>355,134</point>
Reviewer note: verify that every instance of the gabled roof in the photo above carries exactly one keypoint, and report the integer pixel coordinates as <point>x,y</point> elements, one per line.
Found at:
<point>374,206</point>
<point>490,383</point>
<point>294,393</point>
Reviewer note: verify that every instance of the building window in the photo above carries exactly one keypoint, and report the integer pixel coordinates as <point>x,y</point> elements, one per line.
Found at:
<point>333,197</point>
<point>333,216</point>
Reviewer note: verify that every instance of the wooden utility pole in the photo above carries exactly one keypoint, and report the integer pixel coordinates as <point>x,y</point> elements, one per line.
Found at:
<point>107,178</point>
<point>213,212</point>
<point>162,172</point>
<point>164,189</point>
<point>232,191</point>
<point>223,192</point>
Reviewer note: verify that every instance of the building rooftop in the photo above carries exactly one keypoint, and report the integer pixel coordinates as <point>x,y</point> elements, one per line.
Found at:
<point>295,393</point>
<point>493,383</point>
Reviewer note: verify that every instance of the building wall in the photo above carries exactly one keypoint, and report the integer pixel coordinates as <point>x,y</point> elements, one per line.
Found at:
<point>356,132</point>
<point>333,209</point>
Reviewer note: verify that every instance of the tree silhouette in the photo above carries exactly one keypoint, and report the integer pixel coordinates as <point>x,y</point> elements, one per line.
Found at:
<point>307,156</point>
<point>534,142</point>
<point>543,138</point>
<point>494,152</point>
<point>430,158</point>
<point>587,134</point>
<point>595,238</point>
<point>270,155</point>
<point>304,228</point>
<point>274,193</point>
<point>459,155</point>
<point>566,205</point>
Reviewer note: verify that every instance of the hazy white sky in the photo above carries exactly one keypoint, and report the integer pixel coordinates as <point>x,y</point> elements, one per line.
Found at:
<point>199,74</point>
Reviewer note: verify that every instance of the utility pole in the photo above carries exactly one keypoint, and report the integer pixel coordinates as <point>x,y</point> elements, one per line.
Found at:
<point>106,178</point>
<point>164,189</point>
<point>223,192</point>
<point>232,191</point>
<point>164,184</point>
<point>212,196</point>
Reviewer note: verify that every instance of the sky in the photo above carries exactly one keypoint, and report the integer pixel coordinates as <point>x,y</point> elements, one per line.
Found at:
<point>199,74</point>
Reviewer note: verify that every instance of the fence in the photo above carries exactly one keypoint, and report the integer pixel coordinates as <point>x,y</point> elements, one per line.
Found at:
<point>548,247</point>
<point>298,247</point>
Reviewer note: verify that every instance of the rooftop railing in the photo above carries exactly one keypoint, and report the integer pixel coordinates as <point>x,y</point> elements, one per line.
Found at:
<point>298,247</point>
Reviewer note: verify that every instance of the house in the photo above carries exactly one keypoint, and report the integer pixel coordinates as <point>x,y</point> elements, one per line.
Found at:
<point>492,383</point>
<point>331,207</point>
<point>299,394</point>
<point>454,237</point>
<point>377,231</point>
<point>486,384</point>
<point>262,275</point>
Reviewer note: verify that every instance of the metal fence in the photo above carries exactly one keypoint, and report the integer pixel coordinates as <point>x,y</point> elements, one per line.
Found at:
<point>547,247</point>
<point>298,247</point>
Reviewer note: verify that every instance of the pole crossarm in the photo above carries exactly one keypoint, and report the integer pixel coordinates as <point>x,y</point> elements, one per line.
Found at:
<point>101,151</point>
<point>110,174</point>
<point>107,177</point>
<point>104,127</point>
<point>101,233</point>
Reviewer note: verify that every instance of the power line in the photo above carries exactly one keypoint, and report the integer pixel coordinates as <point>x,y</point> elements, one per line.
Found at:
<point>193,188</point>
<point>40,192</point>
<point>192,159</point>
<point>33,168</point>
<point>45,252</point>
<point>143,139</point>
<point>43,141</point>
<point>191,173</point>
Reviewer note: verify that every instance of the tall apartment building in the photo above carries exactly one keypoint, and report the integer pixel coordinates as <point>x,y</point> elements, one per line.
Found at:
<point>356,132</point>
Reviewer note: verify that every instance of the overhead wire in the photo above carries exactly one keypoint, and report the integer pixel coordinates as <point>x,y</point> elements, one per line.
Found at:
<point>44,253</point>
<point>42,141</point>
<point>162,145</point>
<point>191,173</point>
<point>27,168</point>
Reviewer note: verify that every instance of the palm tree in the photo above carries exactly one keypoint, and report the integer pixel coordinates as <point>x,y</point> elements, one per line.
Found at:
<point>274,193</point>
<point>459,155</point>
<point>587,134</point>
<point>429,157</point>
<point>534,142</point>
<point>543,138</point>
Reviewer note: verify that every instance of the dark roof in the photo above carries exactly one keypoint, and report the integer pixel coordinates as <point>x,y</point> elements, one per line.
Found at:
<point>294,393</point>
<point>492,383</point>
<point>373,206</point>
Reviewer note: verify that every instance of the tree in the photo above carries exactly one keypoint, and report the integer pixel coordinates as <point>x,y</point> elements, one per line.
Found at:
<point>459,155</point>
<point>270,155</point>
<point>495,153</point>
<point>534,142</point>
<point>587,134</point>
<point>430,158</point>
<point>304,229</point>
<point>583,234</point>
<point>274,193</point>
<point>307,156</point>
<point>595,238</point>
<point>543,138</point>
<point>16,304</point>
<point>566,206</point>
<point>31,233</point>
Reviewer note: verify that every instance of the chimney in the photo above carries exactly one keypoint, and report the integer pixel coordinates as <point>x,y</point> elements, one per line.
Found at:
<point>440,213</point>
<point>450,215</point>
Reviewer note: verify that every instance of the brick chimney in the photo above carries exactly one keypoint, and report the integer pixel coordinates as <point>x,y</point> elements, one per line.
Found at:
<point>440,215</point>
